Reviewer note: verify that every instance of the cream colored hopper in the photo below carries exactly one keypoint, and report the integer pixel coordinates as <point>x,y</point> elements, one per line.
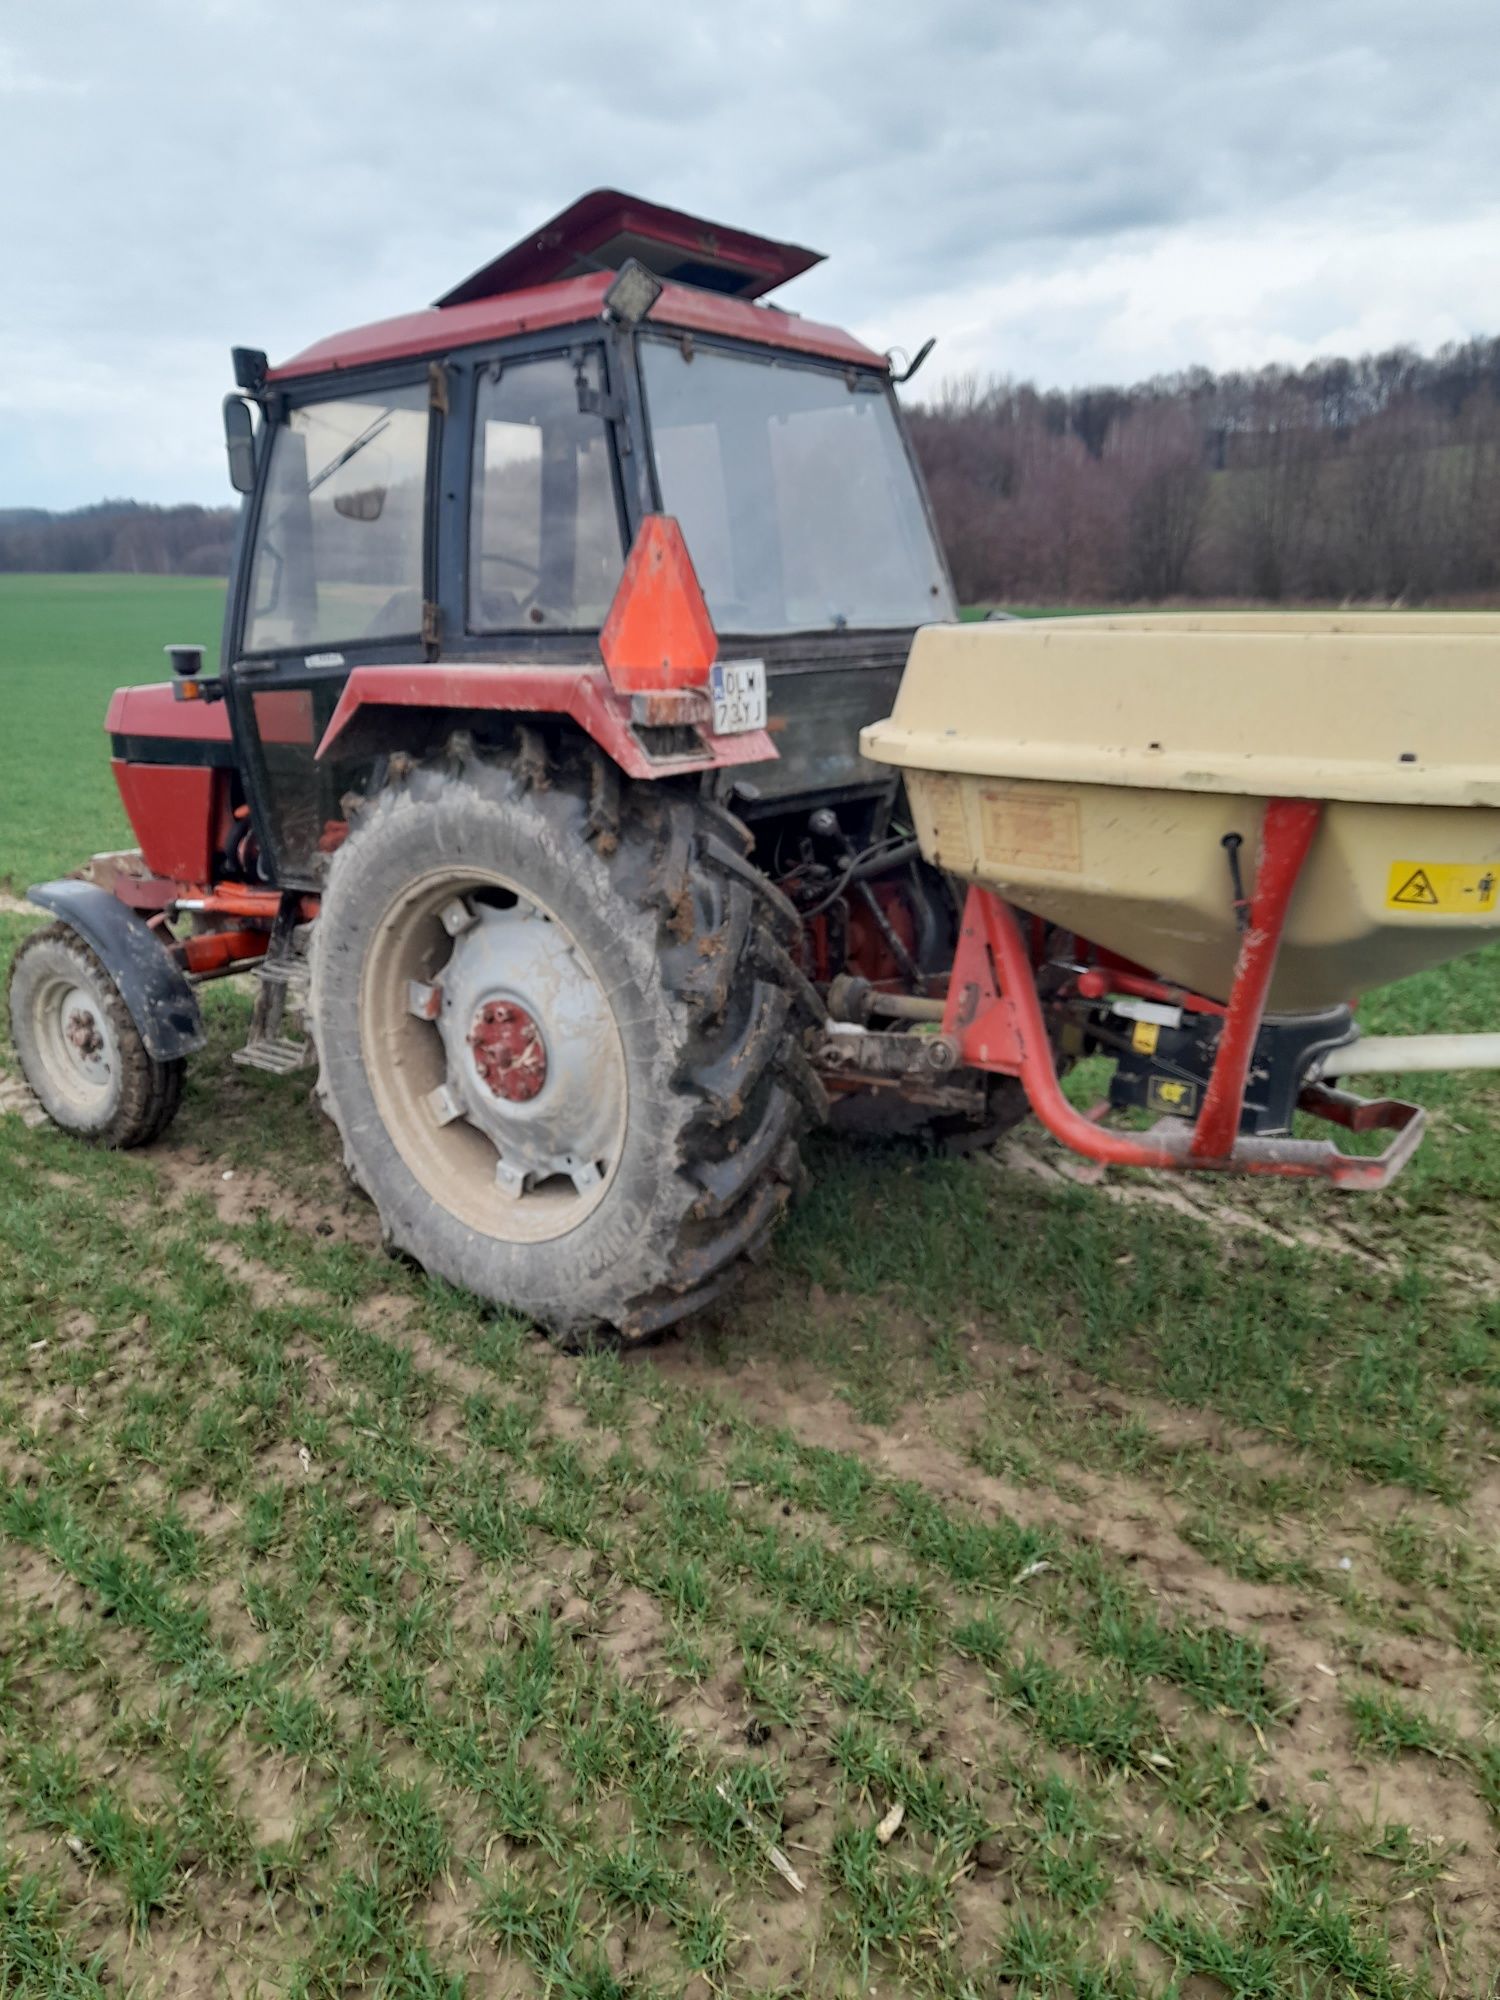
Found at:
<point>1087,770</point>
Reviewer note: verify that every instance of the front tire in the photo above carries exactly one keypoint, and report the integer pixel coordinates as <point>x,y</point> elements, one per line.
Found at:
<point>560,1035</point>
<point>79,1049</point>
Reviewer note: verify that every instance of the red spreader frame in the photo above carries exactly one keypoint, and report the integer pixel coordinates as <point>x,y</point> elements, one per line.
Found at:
<point>994,1017</point>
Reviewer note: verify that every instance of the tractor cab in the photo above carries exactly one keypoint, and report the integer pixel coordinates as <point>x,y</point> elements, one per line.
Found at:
<point>465,484</point>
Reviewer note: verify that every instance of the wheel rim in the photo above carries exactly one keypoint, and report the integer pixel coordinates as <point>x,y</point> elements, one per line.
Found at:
<point>494,1057</point>
<point>76,1040</point>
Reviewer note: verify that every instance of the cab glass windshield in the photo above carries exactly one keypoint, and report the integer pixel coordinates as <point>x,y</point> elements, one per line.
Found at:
<point>338,549</point>
<point>794,493</point>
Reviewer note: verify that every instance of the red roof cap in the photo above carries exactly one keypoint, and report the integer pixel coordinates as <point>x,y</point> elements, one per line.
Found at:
<point>607,227</point>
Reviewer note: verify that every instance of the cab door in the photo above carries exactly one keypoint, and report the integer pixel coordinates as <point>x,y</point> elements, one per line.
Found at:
<point>338,575</point>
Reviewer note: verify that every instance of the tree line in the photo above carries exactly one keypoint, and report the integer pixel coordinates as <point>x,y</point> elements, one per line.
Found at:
<point>1372,479</point>
<point>121,535</point>
<point>1376,479</point>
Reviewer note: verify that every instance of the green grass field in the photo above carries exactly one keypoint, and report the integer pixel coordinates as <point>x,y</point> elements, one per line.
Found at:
<point>65,643</point>
<point>1139,1545</point>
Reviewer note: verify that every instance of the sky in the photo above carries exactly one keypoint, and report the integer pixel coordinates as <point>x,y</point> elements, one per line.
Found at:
<point>1066,191</point>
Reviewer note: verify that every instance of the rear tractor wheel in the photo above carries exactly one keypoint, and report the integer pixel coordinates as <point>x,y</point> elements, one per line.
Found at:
<point>80,1051</point>
<point>561,1037</point>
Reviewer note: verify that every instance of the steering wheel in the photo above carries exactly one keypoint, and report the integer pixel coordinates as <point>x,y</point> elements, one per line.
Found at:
<point>532,570</point>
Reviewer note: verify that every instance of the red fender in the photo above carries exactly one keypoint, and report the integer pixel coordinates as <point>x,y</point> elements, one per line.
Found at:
<point>583,694</point>
<point>658,647</point>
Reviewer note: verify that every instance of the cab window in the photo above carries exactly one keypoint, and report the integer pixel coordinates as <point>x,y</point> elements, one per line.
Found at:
<point>338,546</point>
<point>545,544</point>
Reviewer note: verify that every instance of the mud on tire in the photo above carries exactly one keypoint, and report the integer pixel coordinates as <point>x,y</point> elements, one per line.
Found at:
<point>686,941</point>
<point>80,1050</point>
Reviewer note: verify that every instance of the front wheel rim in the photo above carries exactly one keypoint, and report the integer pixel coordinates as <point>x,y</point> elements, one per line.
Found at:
<point>493,1055</point>
<point>76,1041</point>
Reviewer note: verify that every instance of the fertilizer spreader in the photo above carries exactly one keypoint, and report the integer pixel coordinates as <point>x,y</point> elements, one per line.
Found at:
<point>1191,843</point>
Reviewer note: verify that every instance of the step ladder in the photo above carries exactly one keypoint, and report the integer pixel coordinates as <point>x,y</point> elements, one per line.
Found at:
<point>280,1001</point>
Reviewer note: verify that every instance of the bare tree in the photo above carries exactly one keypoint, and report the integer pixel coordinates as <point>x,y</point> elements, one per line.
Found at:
<point>1275,483</point>
<point>1158,455</point>
<point>1372,476</point>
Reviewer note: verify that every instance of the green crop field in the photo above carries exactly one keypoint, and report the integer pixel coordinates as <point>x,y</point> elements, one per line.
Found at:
<point>65,643</point>
<point>1081,1589</point>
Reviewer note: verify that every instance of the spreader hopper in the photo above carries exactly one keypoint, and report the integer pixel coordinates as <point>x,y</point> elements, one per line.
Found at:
<point>1191,844</point>
<point>1111,775</point>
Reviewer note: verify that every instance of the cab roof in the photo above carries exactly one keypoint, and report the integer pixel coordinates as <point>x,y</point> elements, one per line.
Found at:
<point>601,230</point>
<point>553,277</point>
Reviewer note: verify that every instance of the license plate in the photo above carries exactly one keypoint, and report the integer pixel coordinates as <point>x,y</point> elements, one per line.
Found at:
<point>738,688</point>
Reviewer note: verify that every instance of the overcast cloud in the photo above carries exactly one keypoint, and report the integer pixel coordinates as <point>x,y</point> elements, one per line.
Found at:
<point>1068,192</point>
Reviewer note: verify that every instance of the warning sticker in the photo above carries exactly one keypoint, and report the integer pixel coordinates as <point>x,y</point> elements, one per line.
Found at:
<point>1449,888</point>
<point>1035,825</point>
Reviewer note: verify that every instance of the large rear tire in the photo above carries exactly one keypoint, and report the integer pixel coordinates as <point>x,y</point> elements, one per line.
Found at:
<point>80,1050</point>
<point>560,1035</point>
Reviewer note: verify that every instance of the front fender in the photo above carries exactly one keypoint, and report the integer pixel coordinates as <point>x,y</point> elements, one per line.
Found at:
<point>162,1004</point>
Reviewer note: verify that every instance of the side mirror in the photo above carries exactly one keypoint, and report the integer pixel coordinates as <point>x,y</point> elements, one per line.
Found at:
<point>368,504</point>
<point>239,441</point>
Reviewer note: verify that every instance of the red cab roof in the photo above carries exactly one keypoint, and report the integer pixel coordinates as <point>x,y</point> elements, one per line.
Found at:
<point>567,302</point>
<point>552,278</point>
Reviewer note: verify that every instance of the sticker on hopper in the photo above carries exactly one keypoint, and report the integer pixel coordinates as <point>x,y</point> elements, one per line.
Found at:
<point>1031,826</point>
<point>1442,888</point>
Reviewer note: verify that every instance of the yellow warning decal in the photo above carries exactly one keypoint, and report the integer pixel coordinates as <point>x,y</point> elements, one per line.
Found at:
<point>1144,1037</point>
<point>1448,888</point>
<point>1170,1093</point>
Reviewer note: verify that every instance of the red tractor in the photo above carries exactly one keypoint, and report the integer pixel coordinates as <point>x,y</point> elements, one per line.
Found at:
<point>529,784</point>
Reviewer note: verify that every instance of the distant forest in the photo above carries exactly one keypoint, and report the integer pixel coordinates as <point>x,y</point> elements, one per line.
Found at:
<point>120,535</point>
<point>1376,479</point>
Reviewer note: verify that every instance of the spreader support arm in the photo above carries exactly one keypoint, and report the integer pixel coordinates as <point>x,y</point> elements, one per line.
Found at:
<point>994,1015</point>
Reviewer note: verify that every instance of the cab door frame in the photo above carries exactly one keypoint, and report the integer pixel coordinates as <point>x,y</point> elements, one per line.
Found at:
<point>452,381</point>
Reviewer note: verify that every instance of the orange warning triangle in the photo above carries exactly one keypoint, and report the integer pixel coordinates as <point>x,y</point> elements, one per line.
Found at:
<point>658,633</point>
<point>1416,889</point>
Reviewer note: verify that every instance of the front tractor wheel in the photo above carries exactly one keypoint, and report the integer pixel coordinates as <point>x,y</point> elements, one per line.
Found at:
<point>80,1051</point>
<point>561,1037</point>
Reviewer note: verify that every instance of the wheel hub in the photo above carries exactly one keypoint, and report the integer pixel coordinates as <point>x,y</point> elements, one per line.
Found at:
<point>82,1030</point>
<point>84,1037</point>
<point>509,1052</point>
<point>531,1050</point>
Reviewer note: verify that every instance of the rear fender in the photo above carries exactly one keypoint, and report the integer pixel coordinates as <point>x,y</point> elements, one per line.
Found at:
<point>667,733</point>
<point>162,1004</point>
